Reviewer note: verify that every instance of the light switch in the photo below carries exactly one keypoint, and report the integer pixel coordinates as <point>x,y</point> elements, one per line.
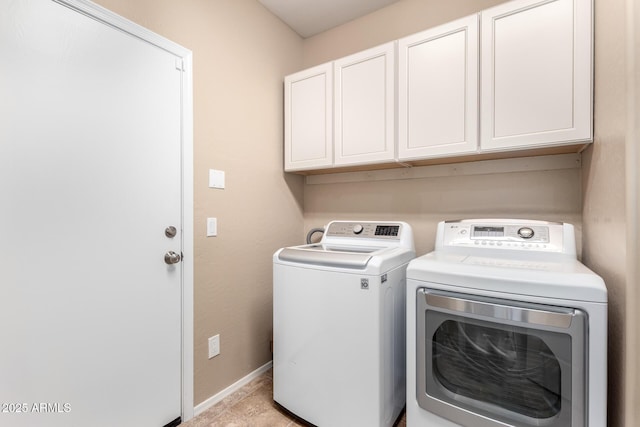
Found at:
<point>212,227</point>
<point>216,178</point>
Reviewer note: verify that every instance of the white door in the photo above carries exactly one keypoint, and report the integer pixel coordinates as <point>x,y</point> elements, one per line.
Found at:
<point>536,66</point>
<point>438,91</point>
<point>90,146</point>
<point>308,123</point>
<point>364,107</point>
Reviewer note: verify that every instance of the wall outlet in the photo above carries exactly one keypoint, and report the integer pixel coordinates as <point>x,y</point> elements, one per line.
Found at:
<point>214,346</point>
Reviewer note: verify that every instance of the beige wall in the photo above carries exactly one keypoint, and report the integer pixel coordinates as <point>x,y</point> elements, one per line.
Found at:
<point>240,54</point>
<point>604,219</point>
<point>633,211</point>
<point>550,195</point>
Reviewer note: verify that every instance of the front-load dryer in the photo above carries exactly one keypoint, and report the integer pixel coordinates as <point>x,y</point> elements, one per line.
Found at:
<point>339,325</point>
<point>505,327</point>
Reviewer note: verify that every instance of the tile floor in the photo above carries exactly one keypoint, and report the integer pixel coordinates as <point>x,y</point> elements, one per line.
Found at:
<point>253,406</point>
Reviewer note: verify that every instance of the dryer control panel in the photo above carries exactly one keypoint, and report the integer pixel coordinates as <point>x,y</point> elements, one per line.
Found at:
<point>507,234</point>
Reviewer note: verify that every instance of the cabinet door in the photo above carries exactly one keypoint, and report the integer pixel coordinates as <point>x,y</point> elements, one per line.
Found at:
<point>536,63</point>
<point>364,107</point>
<point>308,133</point>
<point>438,91</point>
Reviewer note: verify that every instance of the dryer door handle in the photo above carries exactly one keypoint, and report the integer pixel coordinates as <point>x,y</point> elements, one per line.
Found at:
<point>497,311</point>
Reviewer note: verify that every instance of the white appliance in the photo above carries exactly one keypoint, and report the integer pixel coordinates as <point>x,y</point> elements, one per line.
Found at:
<point>505,327</point>
<point>339,324</point>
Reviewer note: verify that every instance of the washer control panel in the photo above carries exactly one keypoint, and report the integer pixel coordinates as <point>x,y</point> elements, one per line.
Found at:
<point>513,235</point>
<point>365,230</point>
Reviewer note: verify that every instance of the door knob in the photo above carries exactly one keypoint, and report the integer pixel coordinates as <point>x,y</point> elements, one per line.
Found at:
<point>172,258</point>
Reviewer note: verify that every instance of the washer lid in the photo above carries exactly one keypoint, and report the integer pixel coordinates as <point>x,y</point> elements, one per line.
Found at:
<point>360,259</point>
<point>328,255</point>
<point>564,278</point>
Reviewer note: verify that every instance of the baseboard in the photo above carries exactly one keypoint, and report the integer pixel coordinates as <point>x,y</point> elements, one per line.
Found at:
<point>201,407</point>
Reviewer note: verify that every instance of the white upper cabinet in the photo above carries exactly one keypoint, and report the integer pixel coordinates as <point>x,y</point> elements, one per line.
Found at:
<point>308,119</point>
<point>364,107</point>
<point>536,66</point>
<point>438,91</point>
<point>516,77</point>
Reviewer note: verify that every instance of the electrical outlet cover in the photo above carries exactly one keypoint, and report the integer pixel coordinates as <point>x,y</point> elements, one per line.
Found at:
<point>214,346</point>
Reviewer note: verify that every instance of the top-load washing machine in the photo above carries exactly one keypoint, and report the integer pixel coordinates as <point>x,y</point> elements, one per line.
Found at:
<point>339,324</point>
<point>505,327</point>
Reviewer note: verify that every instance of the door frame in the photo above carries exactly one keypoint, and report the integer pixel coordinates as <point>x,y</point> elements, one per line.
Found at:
<point>184,59</point>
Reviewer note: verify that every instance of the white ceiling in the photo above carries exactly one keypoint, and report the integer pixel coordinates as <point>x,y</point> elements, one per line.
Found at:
<point>310,17</point>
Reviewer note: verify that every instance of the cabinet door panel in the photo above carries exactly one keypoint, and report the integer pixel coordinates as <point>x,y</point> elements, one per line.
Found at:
<point>308,119</point>
<point>438,91</point>
<point>364,107</point>
<point>536,73</point>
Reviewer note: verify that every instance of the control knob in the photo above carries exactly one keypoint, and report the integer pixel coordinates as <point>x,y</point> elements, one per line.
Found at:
<point>526,232</point>
<point>357,229</point>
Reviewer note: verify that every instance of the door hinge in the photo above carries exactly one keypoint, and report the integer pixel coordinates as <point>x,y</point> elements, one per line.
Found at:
<point>180,64</point>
